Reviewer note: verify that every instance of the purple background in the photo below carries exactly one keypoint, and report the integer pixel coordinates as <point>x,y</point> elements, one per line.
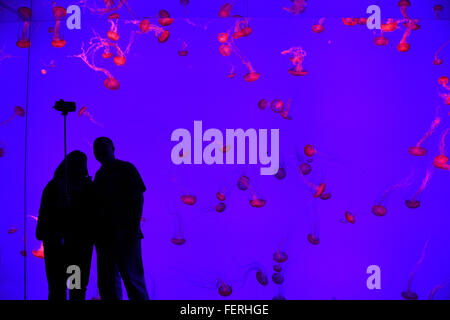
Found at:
<point>360,105</point>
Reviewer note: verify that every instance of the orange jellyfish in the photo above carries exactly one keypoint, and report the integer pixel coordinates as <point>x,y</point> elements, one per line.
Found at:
<point>40,252</point>
<point>18,112</point>
<point>304,169</point>
<point>183,51</point>
<point>298,55</point>
<point>225,10</point>
<point>350,21</point>
<point>225,50</point>
<point>189,199</point>
<point>437,61</point>
<point>220,207</point>
<point>298,6</point>
<point>178,241</point>
<point>409,294</point>
<point>381,40</point>
<point>58,40</point>
<point>256,202</point>
<point>243,183</point>
<point>280,256</point>
<point>325,196</point>
<point>437,10</point>
<point>112,33</point>
<point>313,239</point>
<point>261,275</point>
<point>223,37</point>
<point>389,26</point>
<point>349,217</point>
<point>164,18</point>
<point>309,150</point>
<point>318,28</point>
<point>379,209</point>
<point>83,112</point>
<point>88,57</point>
<point>441,161</point>
<point>404,46</point>
<point>414,203</point>
<point>281,174</point>
<point>262,104</point>
<point>443,81</point>
<point>24,14</point>
<point>12,230</point>
<point>418,150</point>
<point>404,4</point>
<point>220,196</point>
<point>277,278</point>
<point>277,105</point>
<point>224,289</point>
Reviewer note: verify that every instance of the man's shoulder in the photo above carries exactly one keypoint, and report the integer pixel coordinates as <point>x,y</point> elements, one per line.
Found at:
<point>125,165</point>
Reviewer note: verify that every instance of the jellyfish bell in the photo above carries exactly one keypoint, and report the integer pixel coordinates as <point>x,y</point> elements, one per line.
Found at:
<point>112,35</point>
<point>164,18</point>
<point>19,111</point>
<point>144,25</point>
<point>112,83</point>
<point>225,50</point>
<point>252,76</point>
<point>224,289</point>
<point>349,217</point>
<point>389,26</point>
<point>362,21</point>
<point>280,256</point>
<point>412,204</point>
<point>317,28</point>
<point>58,43</point>
<point>39,253</point>
<point>164,36</point>
<point>261,277</point>
<point>309,150</point>
<point>277,105</point>
<point>304,169</point>
<point>325,196</point>
<point>182,53</point>
<point>223,37</point>
<point>257,203</point>
<point>107,55</point>
<point>437,61</point>
<point>279,297</point>
<point>189,199</point>
<point>277,268</point>
<point>417,151</point>
<point>23,43</point>
<point>277,278</point>
<point>443,81</point>
<point>295,72</point>
<point>82,111</point>
<point>178,241</point>
<point>403,46</point>
<point>59,12</point>
<point>350,21</point>
<point>440,162</point>
<point>220,207</point>
<point>319,190</point>
<point>379,210</point>
<point>224,11</point>
<point>381,41</point>
<point>220,196</point>
<point>403,3</point>
<point>262,104</point>
<point>281,174</point>
<point>409,295</point>
<point>119,60</point>
<point>114,16</point>
<point>313,239</point>
<point>24,13</point>
<point>12,230</point>
<point>243,183</point>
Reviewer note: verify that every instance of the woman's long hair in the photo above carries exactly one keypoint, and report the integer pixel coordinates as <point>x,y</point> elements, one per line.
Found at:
<point>76,166</point>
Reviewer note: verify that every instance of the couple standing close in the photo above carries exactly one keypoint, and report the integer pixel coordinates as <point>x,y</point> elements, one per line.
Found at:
<point>105,213</point>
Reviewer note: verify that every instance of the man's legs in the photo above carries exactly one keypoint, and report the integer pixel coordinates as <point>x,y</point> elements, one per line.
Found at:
<point>54,268</point>
<point>132,269</point>
<point>109,284</point>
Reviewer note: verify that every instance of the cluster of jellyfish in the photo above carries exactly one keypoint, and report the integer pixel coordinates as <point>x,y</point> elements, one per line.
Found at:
<point>391,25</point>
<point>278,106</point>
<point>228,39</point>
<point>109,44</point>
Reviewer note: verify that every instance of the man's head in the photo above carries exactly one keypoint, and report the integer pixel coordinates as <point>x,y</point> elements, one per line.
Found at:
<point>103,150</point>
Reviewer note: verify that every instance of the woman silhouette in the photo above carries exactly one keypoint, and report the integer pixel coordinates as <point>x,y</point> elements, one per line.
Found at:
<point>64,227</point>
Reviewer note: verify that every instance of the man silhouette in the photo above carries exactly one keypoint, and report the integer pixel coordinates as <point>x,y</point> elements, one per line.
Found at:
<point>119,189</point>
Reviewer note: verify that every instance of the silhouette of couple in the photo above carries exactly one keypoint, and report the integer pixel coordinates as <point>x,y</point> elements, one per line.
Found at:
<point>105,213</point>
